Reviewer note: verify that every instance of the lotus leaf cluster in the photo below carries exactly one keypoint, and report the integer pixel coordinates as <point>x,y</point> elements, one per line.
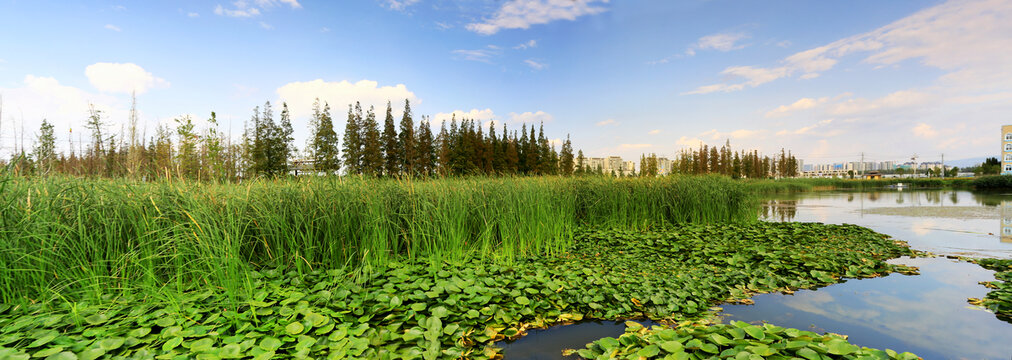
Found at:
<point>417,309</point>
<point>999,300</point>
<point>738,340</point>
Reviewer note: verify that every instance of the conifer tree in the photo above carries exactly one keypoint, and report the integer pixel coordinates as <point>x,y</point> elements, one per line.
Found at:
<point>189,163</point>
<point>407,142</point>
<point>566,164</point>
<point>372,146</point>
<point>44,152</point>
<point>425,162</point>
<point>324,147</point>
<point>353,140</point>
<point>443,151</point>
<point>581,162</point>
<point>390,144</point>
<point>282,147</point>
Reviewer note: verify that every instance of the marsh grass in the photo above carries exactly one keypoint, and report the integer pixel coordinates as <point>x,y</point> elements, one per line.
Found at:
<point>767,186</point>
<point>72,238</point>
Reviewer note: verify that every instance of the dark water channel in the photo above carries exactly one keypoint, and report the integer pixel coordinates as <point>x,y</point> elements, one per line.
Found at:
<point>926,314</point>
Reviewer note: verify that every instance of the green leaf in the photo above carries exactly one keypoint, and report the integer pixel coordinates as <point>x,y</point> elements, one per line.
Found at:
<point>809,354</point>
<point>202,345</point>
<point>649,351</point>
<point>172,343</point>
<point>672,346</point>
<point>295,328</point>
<point>110,344</point>
<point>270,343</point>
<point>841,347</point>
<point>523,300</point>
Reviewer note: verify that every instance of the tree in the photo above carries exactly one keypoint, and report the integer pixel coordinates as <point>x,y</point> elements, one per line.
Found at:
<point>581,163</point>
<point>391,146</point>
<point>990,166</point>
<point>566,164</point>
<point>96,153</point>
<point>281,143</point>
<point>189,163</point>
<point>353,140</point>
<point>212,150</point>
<point>372,148</point>
<point>44,152</point>
<point>425,161</point>
<point>324,146</point>
<point>406,142</point>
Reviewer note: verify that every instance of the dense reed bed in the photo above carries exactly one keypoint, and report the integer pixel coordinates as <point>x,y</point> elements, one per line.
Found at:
<point>766,186</point>
<point>74,238</point>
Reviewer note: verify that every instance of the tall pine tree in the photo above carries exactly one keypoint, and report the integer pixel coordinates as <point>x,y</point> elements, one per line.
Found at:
<point>391,149</point>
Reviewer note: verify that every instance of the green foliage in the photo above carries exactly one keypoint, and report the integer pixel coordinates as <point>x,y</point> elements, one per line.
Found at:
<point>999,300</point>
<point>994,182</point>
<point>66,236</point>
<point>766,186</point>
<point>417,309</point>
<point>737,340</point>
<point>324,144</point>
<point>353,140</point>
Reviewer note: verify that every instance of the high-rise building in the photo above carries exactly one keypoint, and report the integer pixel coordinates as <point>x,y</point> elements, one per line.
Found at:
<point>1006,153</point>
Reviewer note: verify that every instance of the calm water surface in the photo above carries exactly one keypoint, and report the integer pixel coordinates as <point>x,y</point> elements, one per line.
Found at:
<point>926,314</point>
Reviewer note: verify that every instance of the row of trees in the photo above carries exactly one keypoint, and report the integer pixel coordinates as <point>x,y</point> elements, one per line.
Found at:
<point>736,164</point>
<point>366,147</point>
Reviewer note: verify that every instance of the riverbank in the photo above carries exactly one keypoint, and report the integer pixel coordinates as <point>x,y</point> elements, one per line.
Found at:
<point>417,309</point>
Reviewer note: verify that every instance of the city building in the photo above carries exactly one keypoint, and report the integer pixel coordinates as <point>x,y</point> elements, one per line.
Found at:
<point>1006,151</point>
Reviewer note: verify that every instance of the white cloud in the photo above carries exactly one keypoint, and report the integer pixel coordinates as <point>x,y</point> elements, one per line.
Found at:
<point>64,106</point>
<point>896,101</point>
<point>474,114</point>
<point>736,134</point>
<point>721,42</point>
<point>635,146</point>
<point>689,141</point>
<point>443,25</point>
<point>805,129</point>
<point>655,131</point>
<point>527,45</point>
<point>325,29</point>
<point>122,78</point>
<point>606,122</point>
<point>399,5</point>
<point>530,117</point>
<point>968,38</point>
<point>785,43</point>
<point>301,95</point>
<point>193,15</point>
<point>925,131</point>
<point>801,104</point>
<point>244,8</point>
<point>481,55</point>
<point>113,27</point>
<point>535,65</point>
<point>241,12</point>
<point>521,14</point>
<point>266,26</point>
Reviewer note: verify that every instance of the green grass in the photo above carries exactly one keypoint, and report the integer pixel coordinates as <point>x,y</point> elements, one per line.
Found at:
<point>413,310</point>
<point>767,186</point>
<point>70,238</point>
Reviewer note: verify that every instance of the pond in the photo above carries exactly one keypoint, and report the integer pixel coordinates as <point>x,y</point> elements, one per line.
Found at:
<point>926,314</point>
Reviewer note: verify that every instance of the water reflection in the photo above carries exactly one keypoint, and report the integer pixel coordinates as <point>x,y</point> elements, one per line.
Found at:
<point>548,343</point>
<point>946,222</point>
<point>926,314</point>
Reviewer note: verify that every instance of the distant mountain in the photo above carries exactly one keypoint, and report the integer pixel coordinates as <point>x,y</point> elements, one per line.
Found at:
<point>971,162</point>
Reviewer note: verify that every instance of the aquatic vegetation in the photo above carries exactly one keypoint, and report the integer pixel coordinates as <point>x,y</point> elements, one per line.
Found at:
<point>994,182</point>
<point>786,185</point>
<point>999,300</point>
<point>68,237</point>
<point>418,309</point>
<point>738,340</point>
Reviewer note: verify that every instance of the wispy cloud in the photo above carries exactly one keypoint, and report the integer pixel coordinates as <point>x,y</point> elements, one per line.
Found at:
<point>801,104</point>
<point>193,15</point>
<point>398,5</point>
<point>655,131</point>
<point>481,55</point>
<point>266,26</point>
<point>535,65</point>
<point>606,122</point>
<point>247,8</point>
<point>722,42</point>
<point>527,45</point>
<point>112,27</point>
<point>521,14</point>
<point>940,36</point>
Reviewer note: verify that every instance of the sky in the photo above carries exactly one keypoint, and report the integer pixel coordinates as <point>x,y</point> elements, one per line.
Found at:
<point>829,81</point>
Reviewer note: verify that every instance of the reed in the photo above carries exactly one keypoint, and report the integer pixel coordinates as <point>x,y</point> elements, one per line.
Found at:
<point>72,238</point>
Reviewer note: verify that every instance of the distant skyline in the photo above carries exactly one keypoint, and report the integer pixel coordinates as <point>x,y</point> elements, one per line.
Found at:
<point>827,80</point>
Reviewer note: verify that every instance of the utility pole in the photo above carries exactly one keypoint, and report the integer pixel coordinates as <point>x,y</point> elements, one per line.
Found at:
<point>862,165</point>
<point>943,165</point>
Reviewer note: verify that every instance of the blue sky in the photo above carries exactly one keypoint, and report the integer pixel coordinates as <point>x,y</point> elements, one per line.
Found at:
<point>828,80</point>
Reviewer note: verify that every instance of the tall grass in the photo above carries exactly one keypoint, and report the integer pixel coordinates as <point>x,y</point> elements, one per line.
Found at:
<point>71,237</point>
<point>766,186</point>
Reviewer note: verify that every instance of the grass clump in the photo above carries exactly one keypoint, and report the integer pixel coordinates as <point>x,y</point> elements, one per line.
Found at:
<point>412,309</point>
<point>994,182</point>
<point>65,237</point>
<point>768,186</point>
<point>999,300</point>
<point>738,340</point>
